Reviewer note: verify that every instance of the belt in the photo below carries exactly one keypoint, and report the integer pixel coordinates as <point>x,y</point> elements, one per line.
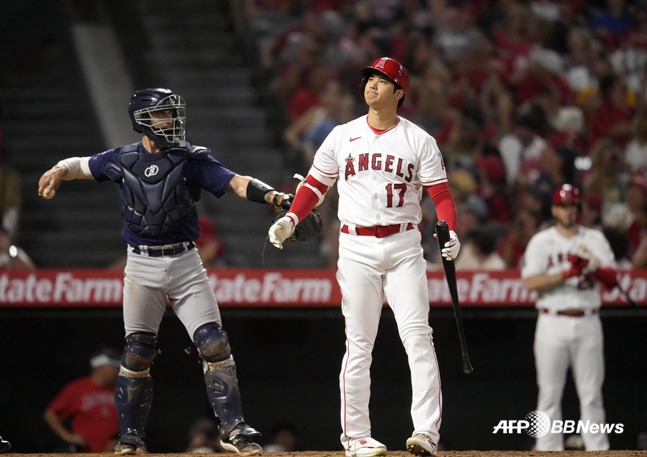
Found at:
<point>570,312</point>
<point>167,250</point>
<point>378,231</point>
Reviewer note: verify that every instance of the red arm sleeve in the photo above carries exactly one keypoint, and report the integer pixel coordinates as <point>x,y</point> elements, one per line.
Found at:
<point>444,203</point>
<point>306,197</point>
<point>607,276</point>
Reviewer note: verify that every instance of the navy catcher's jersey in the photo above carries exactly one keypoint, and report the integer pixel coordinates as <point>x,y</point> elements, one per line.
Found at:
<point>159,190</point>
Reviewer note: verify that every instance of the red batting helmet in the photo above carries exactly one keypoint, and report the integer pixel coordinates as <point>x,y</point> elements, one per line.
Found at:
<point>392,69</point>
<point>566,195</point>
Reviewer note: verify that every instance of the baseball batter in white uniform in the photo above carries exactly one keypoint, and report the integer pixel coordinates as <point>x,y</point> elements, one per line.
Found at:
<point>566,263</point>
<point>381,163</point>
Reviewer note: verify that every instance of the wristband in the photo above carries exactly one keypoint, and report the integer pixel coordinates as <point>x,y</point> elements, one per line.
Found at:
<point>256,190</point>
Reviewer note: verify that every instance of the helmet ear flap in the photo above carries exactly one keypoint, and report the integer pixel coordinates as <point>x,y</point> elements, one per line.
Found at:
<point>136,117</point>
<point>362,86</point>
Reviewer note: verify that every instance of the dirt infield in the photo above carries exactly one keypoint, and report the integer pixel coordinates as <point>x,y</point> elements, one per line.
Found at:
<point>392,454</point>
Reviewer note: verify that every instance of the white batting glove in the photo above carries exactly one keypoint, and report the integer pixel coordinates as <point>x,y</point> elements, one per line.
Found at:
<point>585,253</point>
<point>452,247</point>
<point>280,231</point>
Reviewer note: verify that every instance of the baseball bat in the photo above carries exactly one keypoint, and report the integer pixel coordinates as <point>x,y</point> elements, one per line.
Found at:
<point>442,234</point>
<point>625,294</point>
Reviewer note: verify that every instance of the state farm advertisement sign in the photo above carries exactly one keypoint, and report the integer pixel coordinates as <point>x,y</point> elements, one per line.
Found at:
<point>279,288</point>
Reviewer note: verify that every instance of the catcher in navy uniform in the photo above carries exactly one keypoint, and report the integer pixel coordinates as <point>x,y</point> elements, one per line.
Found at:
<point>160,179</point>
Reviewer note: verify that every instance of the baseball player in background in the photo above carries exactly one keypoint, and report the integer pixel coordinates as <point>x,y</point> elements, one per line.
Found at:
<point>160,179</point>
<point>565,264</point>
<point>83,412</point>
<point>381,163</point>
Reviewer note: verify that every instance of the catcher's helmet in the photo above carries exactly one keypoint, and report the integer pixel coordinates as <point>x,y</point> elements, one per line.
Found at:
<point>390,68</point>
<point>145,101</point>
<point>566,195</point>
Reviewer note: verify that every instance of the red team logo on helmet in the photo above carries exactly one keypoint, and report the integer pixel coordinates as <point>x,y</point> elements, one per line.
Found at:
<point>566,195</point>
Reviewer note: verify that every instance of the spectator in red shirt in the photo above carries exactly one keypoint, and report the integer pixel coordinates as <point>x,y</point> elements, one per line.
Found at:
<point>492,188</point>
<point>83,413</point>
<point>543,73</point>
<point>612,117</point>
<point>510,37</point>
<point>209,244</point>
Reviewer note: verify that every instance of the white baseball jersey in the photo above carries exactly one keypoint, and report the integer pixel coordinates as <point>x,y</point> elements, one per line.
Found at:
<point>380,176</point>
<point>547,253</point>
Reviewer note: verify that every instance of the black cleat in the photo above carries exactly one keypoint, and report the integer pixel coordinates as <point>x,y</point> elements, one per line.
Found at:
<point>241,444</point>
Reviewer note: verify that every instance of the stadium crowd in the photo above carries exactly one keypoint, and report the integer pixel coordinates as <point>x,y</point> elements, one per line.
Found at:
<point>521,96</point>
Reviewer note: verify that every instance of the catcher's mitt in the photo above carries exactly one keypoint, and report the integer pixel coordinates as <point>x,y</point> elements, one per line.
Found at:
<point>307,229</point>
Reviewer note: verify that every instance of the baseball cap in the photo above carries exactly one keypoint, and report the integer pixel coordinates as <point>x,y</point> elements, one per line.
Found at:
<point>105,356</point>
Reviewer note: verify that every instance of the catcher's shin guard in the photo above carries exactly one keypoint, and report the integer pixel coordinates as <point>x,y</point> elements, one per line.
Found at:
<point>133,400</point>
<point>224,396</point>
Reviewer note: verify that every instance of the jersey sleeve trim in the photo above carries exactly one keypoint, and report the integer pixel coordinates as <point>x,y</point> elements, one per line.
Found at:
<point>434,182</point>
<point>326,178</point>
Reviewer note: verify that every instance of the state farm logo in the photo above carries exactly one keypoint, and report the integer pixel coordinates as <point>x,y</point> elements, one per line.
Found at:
<point>241,288</point>
<point>151,171</point>
<point>537,424</point>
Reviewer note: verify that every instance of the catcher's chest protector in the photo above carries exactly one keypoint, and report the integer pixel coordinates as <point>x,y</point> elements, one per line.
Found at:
<point>155,196</point>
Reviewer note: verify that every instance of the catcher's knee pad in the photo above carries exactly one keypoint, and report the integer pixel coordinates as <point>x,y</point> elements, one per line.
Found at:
<point>140,351</point>
<point>212,342</point>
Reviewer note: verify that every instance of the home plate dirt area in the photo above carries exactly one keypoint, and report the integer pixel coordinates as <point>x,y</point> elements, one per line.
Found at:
<point>393,454</point>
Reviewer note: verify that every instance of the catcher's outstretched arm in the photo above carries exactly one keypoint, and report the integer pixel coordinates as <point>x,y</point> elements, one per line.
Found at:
<point>65,170</point>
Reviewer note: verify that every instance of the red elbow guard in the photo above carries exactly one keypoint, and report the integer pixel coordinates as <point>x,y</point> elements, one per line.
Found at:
<point>306,198</point>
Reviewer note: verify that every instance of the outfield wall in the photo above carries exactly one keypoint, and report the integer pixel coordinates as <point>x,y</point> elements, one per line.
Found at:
<point>288,361</point>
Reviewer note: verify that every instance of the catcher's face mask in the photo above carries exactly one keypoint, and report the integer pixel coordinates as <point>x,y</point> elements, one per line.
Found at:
<point>164,123</point>
<point>160,115</point>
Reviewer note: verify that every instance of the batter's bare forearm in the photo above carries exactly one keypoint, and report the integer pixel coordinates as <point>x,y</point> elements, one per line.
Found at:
<point>543,282</point>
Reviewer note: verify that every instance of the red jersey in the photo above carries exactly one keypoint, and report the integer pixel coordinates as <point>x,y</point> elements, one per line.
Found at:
<point>91,411</point>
